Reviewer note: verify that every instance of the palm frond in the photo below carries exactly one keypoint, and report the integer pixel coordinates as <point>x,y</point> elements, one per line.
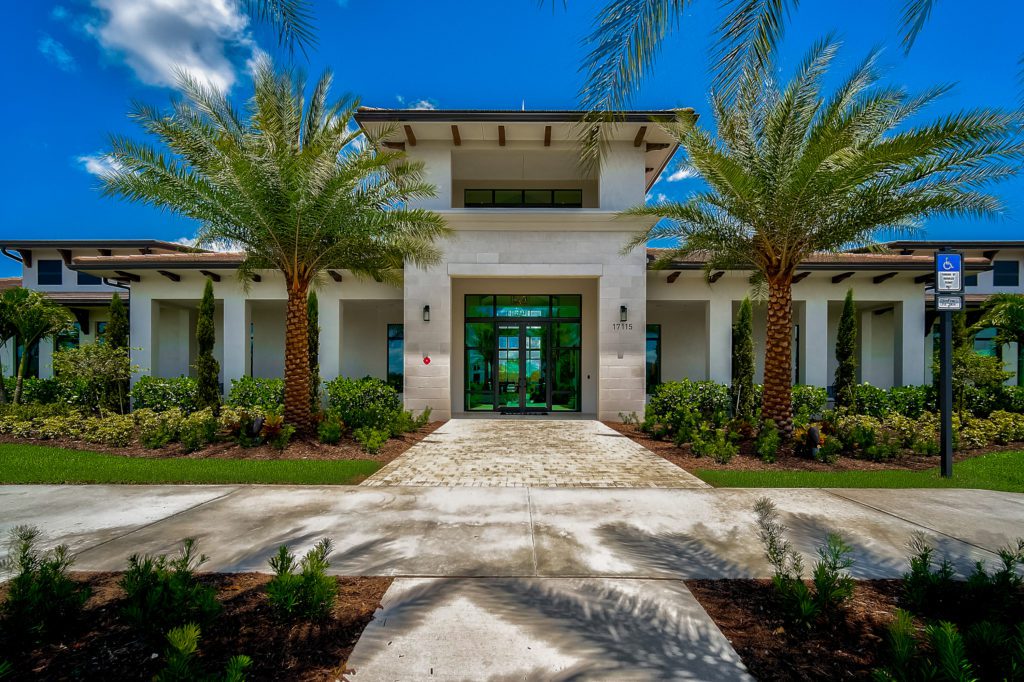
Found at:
<point>292,19</point>
<point>748,36</point>
<point>915,15</point>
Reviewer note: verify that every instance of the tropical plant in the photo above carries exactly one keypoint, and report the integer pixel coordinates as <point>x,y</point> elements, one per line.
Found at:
<point>293,185</point>
<point>32,316</point>
<point>1005,312</point>
<point>117,331</point>
<point>313,323</point>
<point>8,334</point>
<point>845,386</point>
<point>207,367</point>
<point>743,398</point>
<point>795,170</point>
<point>94,376</point>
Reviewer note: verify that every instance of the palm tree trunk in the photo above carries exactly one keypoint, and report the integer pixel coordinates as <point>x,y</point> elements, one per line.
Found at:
<point>778,354</point>
<point>296,362</point>
<point>20,381</point>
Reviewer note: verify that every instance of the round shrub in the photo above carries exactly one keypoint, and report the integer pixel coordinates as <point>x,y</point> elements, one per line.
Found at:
<point>160,394</point>
<point>708,398</point>
<point>366,402</point>
<point>34,391</point>
<point>267,394</point>
<point>809,400</point>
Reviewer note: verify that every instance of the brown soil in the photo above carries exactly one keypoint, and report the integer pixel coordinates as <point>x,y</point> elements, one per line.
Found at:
<point>747,613</point>
<point>348,448</point>
<point>103,647</point>
<point>787,461</point>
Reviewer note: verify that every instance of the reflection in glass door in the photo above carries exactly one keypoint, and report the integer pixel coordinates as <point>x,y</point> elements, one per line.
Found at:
<point>535,384</point>
<point>509,376</point>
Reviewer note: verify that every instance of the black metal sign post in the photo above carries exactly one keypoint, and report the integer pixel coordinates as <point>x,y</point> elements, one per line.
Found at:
<point>949,286</point>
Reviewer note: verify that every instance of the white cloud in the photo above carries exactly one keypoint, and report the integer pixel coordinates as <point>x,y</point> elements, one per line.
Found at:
<point>417,104</point>
<point>157,37</point>
<point>56,53</point>
<point>59,13</point>
<point>98,164</point>
<point>659,198</point>
<point>684,173</point>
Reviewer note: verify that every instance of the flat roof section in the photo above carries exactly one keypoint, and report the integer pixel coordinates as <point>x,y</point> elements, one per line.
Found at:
<point>146,244</point>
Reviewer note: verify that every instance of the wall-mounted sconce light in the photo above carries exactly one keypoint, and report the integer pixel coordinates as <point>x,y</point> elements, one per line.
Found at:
<point>426,313</point>
<point>622,313</point>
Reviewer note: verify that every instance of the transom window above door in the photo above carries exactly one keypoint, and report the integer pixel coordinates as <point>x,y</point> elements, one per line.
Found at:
<point>523,198</point>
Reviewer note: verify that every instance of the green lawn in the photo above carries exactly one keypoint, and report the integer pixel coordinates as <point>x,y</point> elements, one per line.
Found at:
<point>40,464</point>
<point>997,471</point>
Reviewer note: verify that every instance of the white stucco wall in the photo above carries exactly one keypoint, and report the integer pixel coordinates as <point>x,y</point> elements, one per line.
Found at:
<point>364,338</point>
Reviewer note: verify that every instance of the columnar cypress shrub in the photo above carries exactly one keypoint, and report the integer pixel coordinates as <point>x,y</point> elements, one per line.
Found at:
<point>207,368</point>
<point>742,391</point>
<point>116,334</point>
<point>313,322</point>
<point>846,355</point>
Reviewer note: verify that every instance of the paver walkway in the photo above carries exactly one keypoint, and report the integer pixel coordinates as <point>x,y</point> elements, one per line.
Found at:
<point>521,583</point>
<point>531,452</point>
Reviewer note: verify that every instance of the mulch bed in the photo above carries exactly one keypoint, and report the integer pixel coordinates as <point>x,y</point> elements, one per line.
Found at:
<point>747,613</point>
<point>102,647</point>
<point>682,457</point>
<point>348,448</point>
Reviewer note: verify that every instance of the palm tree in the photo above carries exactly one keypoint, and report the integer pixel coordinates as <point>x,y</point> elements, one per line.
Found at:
<point>1005,312</point>
<point>293,185</point>
<point>32,316</point>
<point>795,170</point>
<point>293,20</point>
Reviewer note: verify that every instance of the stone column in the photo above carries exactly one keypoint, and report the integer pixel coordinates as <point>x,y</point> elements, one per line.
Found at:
<point>330,337</point>
<point>235,361</point>
<point>718,318</point>
<point>814,349</point>
<point>621,345</point>
<point>910,342</point>
<point>144,345</point>
<point>428,384</point>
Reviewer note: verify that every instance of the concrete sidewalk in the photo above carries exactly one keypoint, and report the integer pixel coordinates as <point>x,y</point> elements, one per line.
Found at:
<point>501,532</point>
<point>521,583</point>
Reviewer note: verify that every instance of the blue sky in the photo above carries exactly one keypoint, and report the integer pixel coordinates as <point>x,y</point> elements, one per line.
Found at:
<point>78,64</point>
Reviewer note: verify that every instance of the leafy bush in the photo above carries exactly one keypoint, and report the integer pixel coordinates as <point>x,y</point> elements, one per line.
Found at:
<point>973,432</point>
<point>115,430</point>
<point>159,394</point>
<point>886,446</point>
<point>831,583</point>
<point>768,441</point>
<point>198,429</point>
<point>240,425</point>
<point>35,391</point>
<point>163,592</point>
<point>809,400</point>
<point>708,398</point>
<point>267,394</point>
<point>829,451</point>
<point>330,429</point>
<point>1008,427</point>
<point>58,427</point>
<point>182,666</point>
<point>42,600</point>
<point>714,443</point>
<point>405,422</point>
<point>93,377</point>
<point>366,402</point>
<point>275,431</point>
<point>871,400</point>
<point>371,439</point>
<point>157,429</point>
<point>308,593</point>
<point>912,401</point>
<point>857,432</point>
<point>1010,399</point>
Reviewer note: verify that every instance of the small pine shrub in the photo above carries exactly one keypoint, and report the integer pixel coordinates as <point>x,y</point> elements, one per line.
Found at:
<point>181,664</point>
<point>768,441</point>
<point>371,439</point>
<point>42,601</point>
<point>833,585</point>
<point>926,587</point>
<point>308,593</point>
<point>163,592</point>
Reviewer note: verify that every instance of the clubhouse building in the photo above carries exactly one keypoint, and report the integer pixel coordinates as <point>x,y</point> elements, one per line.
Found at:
<point>535,308</point>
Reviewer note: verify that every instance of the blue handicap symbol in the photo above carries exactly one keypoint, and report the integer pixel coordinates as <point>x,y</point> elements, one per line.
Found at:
<point>950,263</point>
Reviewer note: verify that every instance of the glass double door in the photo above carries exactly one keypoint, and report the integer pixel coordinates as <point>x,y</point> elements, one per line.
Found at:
<point>522,372</point>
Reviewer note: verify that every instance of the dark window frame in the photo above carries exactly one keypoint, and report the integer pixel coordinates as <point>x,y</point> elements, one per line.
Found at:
<point>400,338</point>
<point>1006,278</point>
<point>522,194</point>
<point>58,274</point>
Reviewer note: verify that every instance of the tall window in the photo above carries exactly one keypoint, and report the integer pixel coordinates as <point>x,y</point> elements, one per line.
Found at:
<point>49,273</point>
<point>396,353</point>
<point>1005,273</point>
<point>653,356</point>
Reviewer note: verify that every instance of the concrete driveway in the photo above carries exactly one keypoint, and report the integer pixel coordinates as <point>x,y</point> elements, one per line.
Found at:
<point>521,583</point>
<point>538,452</point>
